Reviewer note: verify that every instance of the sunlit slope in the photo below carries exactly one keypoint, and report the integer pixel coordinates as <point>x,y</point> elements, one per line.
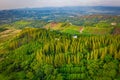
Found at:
<point>8,33</point>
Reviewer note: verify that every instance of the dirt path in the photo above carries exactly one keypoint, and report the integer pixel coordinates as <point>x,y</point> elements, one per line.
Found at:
<point>81,29</point>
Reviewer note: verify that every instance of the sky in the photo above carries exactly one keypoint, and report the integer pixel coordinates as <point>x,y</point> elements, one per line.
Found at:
<point>13,4</point>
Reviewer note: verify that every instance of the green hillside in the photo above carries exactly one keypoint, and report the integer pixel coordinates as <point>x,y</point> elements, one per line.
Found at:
<point>59,43</point>
<point>73,29</point>
<point>21,24</point>
<point>65,27</point>
<point>97,30</point>
<point>40,54</point>
<point>38,50</point>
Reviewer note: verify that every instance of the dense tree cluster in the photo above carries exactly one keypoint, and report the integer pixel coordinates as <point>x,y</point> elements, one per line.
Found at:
<point>39,54</point>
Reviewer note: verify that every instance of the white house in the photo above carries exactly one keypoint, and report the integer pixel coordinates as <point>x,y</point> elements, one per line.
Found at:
<point>114,24</point>
<point>74,36</point>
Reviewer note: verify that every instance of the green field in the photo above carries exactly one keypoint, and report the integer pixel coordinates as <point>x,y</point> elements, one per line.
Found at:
<point>72,29</point>
<point>96,30</point>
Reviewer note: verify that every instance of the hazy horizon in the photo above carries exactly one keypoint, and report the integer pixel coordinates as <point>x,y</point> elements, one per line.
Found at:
<point>14,4</point>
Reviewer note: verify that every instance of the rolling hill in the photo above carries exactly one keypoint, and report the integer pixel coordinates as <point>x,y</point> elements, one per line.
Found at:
<point>73,29</point>
<point>65,27</point>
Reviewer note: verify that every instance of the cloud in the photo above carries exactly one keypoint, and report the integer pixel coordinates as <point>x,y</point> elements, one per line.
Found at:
<point>6,4</point>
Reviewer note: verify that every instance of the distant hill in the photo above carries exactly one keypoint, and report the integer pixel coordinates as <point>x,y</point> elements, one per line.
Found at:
<point>51,13</point>
<point>24,23</point>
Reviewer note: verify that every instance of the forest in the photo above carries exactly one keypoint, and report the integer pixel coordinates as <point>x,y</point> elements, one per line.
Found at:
<point>41,54</point>
<point>60,43</point>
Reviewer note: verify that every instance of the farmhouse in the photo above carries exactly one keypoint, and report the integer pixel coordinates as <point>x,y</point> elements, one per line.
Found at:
<point>114,24</point>
<point>75,36</point>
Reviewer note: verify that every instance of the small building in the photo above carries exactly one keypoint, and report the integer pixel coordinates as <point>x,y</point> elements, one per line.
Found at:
<point>57,39</point>
<point>75,36</point>
<point>70,23</point>
<point>114,24</point>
